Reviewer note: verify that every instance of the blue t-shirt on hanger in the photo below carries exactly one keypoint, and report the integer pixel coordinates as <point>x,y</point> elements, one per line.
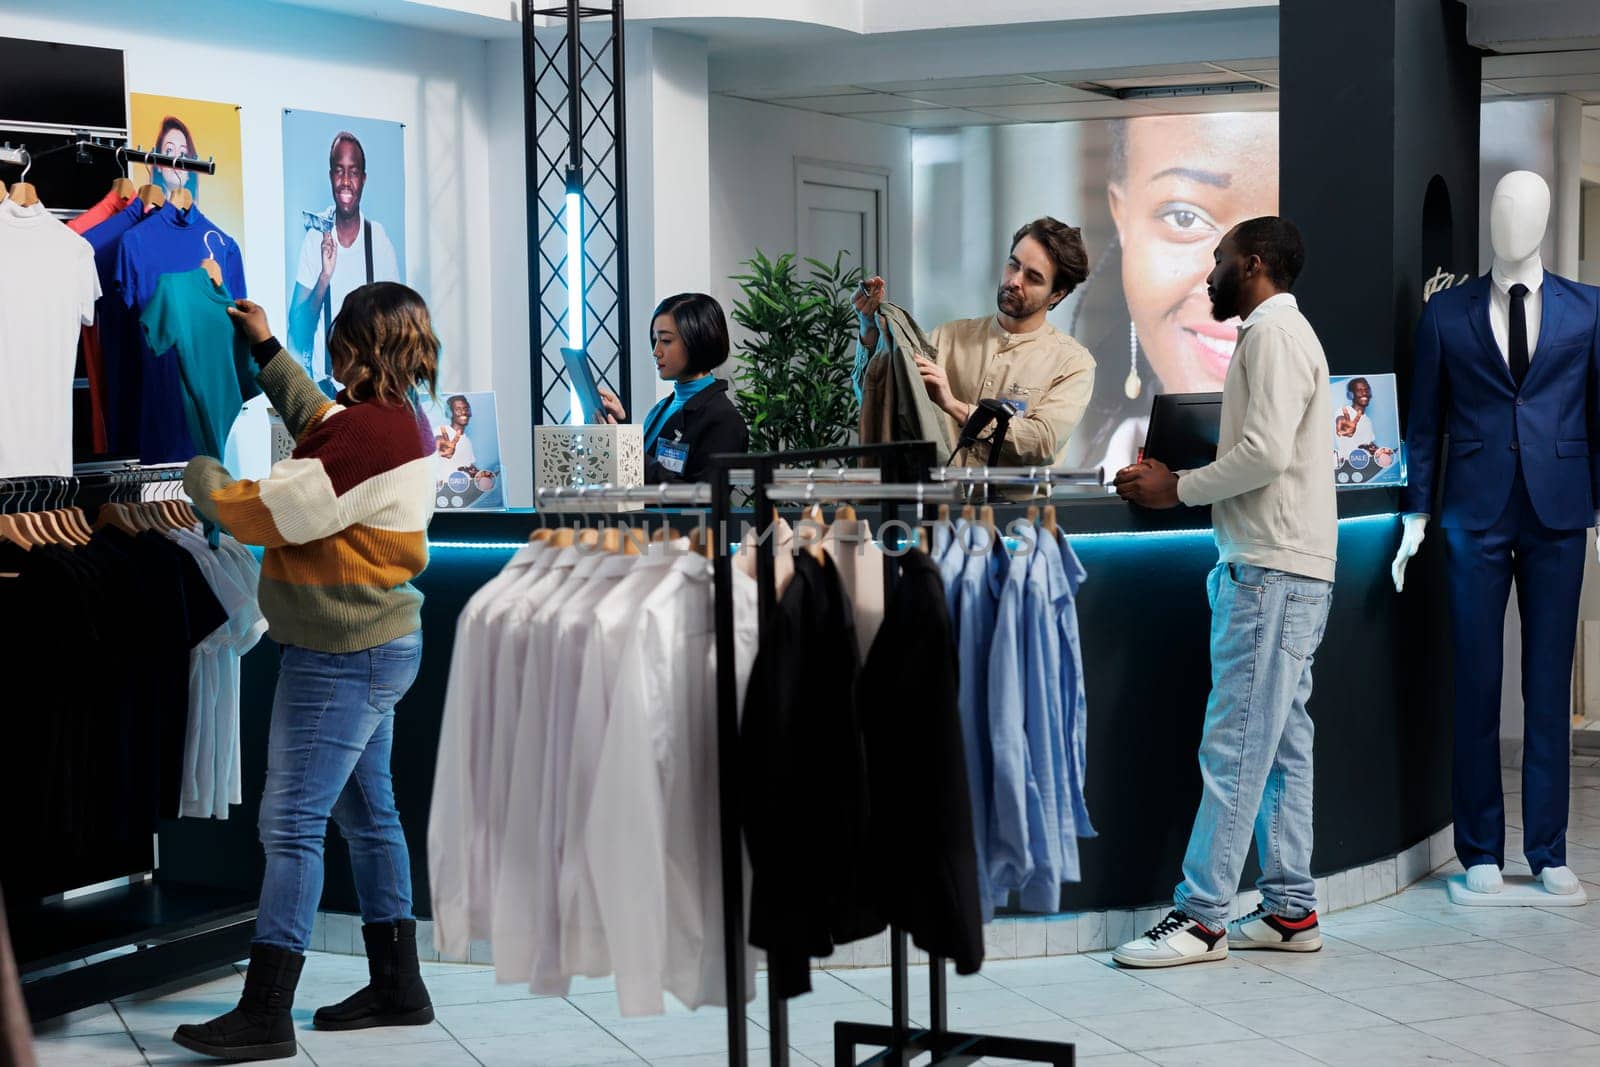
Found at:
<point>120,348</point>
<point>167,242</point>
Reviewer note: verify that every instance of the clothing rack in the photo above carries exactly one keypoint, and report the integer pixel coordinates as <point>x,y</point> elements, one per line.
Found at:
<point>84,140</point>
<point>139,929</point>
<point>905,469</point>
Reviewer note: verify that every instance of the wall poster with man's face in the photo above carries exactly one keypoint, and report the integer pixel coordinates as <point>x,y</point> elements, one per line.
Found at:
<point>344,199</point>
<point>1153,195</point>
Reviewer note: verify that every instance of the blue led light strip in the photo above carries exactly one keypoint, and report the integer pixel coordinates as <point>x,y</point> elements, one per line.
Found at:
<point>1137,535</point>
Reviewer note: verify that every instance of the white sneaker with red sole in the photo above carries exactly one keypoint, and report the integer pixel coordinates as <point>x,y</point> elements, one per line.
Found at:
<point>1173,942</point>
<point>1273,933</point>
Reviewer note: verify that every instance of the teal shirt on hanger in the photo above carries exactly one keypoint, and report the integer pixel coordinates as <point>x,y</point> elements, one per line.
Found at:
<point>188,316</point>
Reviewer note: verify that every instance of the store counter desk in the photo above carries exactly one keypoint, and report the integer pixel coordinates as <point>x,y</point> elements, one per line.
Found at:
<point>1381,702</point>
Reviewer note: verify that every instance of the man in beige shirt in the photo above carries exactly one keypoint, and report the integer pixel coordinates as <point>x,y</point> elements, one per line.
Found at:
<point>1014,355</point>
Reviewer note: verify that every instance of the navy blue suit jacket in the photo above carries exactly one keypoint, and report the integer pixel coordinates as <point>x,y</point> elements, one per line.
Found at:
<point>1462,387</point>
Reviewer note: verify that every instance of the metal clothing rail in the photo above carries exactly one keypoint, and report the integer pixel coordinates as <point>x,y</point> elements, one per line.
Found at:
<point>1042,476</point>
<point>692,494</point>
<point>84,140</point>
<point>902,467</point>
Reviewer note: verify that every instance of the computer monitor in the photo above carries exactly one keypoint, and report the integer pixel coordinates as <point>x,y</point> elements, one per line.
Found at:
<point>1183,429</point>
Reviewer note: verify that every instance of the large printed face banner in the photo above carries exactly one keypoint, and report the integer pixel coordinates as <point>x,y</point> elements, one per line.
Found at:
<point>1153,196</point>
<point>344,194</point>
<point>202,130</point>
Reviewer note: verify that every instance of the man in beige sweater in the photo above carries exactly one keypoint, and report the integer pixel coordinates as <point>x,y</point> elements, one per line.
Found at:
<point>1014,355</point>
<point>1272,497</point>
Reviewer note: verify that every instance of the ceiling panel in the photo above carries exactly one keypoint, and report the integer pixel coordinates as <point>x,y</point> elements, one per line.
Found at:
<point>930,118</point>
<point>1250,66</point>
<point>1205,105</point>
<point>794,92</point>
<point>1540,63</point>
<point>1001,95</point>
<point>853,104</point>
<point>1068,76</point>
<point>1132,81</point>
<point>953,83</point>
<point>1567,83</point>
<point>1104,109</point>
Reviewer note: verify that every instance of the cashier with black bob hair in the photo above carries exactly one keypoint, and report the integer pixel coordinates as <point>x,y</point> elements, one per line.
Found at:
<point>689,336</point>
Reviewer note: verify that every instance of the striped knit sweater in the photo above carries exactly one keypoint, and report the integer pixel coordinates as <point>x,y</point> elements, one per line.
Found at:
<point>344,520</point>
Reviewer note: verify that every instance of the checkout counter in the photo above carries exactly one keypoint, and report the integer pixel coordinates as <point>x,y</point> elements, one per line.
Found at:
<point>1381,705</point>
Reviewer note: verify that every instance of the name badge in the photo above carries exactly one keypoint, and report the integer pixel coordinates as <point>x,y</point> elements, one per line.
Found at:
<point>1016,398</point>
<point>672,455</point>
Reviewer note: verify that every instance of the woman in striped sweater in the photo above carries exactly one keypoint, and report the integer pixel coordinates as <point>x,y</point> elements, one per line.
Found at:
<point>344,525</point>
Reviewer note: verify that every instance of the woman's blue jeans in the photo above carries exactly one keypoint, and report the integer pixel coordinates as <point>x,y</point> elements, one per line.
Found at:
<point>332,731</point>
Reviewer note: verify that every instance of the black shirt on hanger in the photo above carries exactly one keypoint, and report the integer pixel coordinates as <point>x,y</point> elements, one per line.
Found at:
<point>800,727</point>
<point>921,814</point>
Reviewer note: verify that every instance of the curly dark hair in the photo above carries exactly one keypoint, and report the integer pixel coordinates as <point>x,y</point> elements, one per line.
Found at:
<point>1064,245</point>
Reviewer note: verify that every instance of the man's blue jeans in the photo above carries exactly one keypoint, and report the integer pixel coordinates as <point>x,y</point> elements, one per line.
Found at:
<point>332,730</point>
<point>1255,754</point>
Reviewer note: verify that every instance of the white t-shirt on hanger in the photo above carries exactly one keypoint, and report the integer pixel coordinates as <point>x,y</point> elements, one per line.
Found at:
<point>48,286</point>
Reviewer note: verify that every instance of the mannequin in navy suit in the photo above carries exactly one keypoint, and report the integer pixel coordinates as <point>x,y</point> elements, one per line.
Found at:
<point>1508,366</point>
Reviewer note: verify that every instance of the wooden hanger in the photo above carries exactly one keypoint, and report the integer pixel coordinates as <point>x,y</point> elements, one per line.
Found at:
<point>1033,514</point>
<point>115,515</point>
<point>539,535</point>
<point>565,537</point>
<point>703,542</point>
<point>210,265</point>
<point>664,533</point>
<point>813,514</point>
<point>182,199</point>
<point>1049,522</point>
<point>124,189</point>
<point>152,197</point>
<point>986,518</point>
<point>24,195</point>
<point>633,542</point>
<point>968,512</point>
<point>12,529</point>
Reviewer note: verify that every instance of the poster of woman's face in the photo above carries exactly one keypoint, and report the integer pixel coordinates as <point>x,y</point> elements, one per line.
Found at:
<point>1153,195</point>
<point>197,129</point>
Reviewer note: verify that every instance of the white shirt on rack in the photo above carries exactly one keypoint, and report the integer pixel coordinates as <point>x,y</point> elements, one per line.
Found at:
<point>653,831</point>
<point>527,923</point>
<point>48,286</point>
<point>457,793</point>
<point>582,937</point>
<point>1530,274</point>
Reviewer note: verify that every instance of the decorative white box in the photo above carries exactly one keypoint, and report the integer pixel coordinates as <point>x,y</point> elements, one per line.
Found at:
<point>569,456</point>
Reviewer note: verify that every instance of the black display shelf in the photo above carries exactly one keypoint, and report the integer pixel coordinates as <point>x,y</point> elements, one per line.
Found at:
<point>172,931</point>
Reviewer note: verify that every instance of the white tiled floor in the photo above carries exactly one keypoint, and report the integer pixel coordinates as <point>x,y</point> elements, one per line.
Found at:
<point>1410,980</point>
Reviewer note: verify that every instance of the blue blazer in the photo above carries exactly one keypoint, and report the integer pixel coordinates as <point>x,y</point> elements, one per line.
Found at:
<point>1463,388</point>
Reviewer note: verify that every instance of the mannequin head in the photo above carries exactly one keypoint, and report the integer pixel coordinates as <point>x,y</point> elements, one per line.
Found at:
<point>1518,215</point>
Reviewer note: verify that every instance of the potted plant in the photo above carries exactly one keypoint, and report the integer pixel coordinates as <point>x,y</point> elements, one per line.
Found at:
<point>794,388</point>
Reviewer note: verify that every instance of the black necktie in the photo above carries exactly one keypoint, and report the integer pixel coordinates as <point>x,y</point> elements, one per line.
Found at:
<point>1518,346</point>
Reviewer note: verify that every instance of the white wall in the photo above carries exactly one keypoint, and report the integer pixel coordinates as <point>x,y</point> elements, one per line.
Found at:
<point>669,193</point>
<point>753,151</point>
<point>508,281</point>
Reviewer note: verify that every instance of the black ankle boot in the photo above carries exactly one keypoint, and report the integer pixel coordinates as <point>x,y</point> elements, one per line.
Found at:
<point>396,995</point>
<point>260,1028</point>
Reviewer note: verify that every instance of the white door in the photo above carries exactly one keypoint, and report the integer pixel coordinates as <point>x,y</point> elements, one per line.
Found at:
<point>841,209</point>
